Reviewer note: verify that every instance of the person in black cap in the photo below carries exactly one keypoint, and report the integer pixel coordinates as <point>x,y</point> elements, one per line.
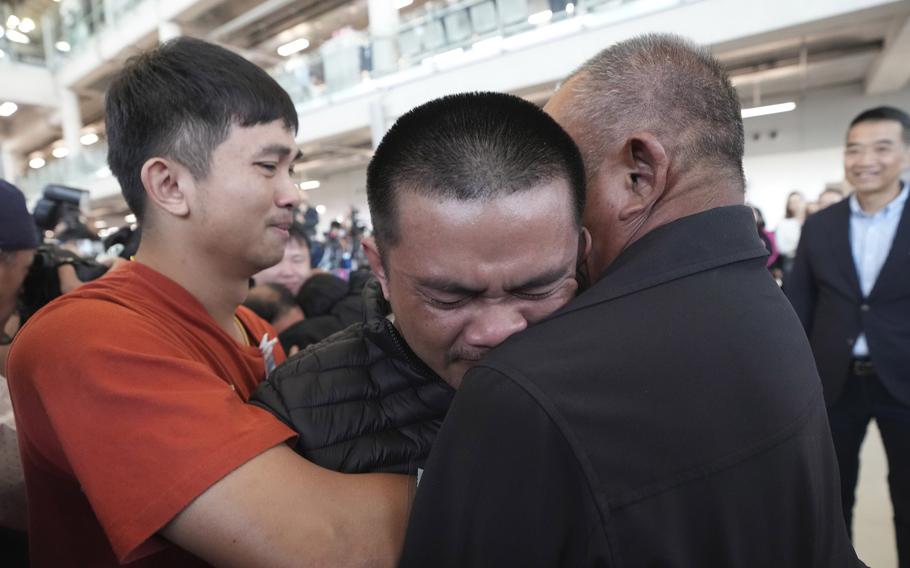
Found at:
<point>18,241</point>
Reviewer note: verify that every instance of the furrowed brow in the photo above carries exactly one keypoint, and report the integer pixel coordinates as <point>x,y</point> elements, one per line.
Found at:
<point>447,286</point>
<point>541,280</point>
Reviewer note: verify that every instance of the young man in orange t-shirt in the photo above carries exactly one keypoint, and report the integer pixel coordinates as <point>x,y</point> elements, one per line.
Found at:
<point>130,392</point>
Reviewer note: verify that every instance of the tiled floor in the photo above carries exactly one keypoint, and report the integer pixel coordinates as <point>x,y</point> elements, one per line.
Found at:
<point>873,531</point>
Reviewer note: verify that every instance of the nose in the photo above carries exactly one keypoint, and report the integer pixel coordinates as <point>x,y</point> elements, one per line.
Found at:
<point>865,157</point>
<point>493,324</point>
<point>285,269</point>
<point>288,195</point>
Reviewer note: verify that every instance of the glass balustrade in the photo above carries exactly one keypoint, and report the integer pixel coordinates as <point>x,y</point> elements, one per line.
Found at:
<point>437,32</point>
<point>80,170</point>
<point>344,62</point>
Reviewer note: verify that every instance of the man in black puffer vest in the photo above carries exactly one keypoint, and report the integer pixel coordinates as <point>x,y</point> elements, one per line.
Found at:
<point>369,369</point>
<point>476,203</point>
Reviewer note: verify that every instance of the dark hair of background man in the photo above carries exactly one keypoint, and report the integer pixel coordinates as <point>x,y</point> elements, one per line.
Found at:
<point>179,101</point>
<point>297,232</point>
<point>466,147</point>
<point>666,85</point>
<point>270,301</point>
<point>886,113</point>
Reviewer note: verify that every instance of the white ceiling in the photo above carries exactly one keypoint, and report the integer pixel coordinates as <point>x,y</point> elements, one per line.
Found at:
<point>778,64</point>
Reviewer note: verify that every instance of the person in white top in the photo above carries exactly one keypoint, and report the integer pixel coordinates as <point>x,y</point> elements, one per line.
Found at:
<point>788,230</point>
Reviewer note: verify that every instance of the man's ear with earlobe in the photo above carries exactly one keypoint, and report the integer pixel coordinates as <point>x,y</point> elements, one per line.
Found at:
<point>581,265</point>
<point>375,260</point>
<point>646,181</point>
<point>164,181</point>
<point>584,245</point>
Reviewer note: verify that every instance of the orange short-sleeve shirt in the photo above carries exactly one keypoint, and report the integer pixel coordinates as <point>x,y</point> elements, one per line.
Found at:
<point>130,402</point>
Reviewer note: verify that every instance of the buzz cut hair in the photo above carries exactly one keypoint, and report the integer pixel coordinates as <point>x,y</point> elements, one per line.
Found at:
<point>666,85</point>
<point>469,147</point>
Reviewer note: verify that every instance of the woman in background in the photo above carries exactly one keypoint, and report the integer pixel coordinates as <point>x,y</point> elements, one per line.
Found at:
<point>789,229</point>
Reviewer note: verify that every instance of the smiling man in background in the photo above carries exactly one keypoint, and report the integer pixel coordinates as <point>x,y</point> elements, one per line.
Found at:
<point>851,288</point>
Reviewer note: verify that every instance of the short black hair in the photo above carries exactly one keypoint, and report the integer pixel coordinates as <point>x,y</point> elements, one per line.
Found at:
<point>180,100</point>
<point>886,113</point>
<point>270,301</point>
<point>297,232</point>
<point>665,84</point>
<point>470,146</point>
<point>319,294</point>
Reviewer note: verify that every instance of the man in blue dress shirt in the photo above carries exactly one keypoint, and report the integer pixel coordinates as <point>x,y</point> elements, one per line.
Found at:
<point>851,288</point>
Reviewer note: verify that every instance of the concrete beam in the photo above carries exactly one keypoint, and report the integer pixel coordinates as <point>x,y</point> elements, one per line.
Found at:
<point>28,85</point>
<point>526,60</point>
<point>137,29</point>
<point>891,71</point>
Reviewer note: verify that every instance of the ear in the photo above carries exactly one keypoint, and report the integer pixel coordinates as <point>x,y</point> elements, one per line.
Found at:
<point>645,162</point>
<point>584,245</point>
<point>375,260</point>
<point>581,266</point>
<point>164,182</point>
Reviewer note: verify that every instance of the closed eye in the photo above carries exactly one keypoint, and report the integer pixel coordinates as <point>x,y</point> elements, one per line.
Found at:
<point>446,304</point>
<point>535,296</point>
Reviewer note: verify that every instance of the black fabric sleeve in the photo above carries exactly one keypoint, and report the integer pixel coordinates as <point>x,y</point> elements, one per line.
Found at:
<point>502,487</point>
<point>799,285</point>
<point>355,410</point>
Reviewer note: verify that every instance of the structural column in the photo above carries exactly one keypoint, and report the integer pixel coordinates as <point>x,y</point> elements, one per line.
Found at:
<point>378,122</point>
<point>384,35</point>
<point>10,163</point>
<point>71,121</point>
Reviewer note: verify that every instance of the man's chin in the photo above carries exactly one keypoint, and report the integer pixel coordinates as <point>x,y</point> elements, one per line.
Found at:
<point>268,262</point>
<point>457,371</point>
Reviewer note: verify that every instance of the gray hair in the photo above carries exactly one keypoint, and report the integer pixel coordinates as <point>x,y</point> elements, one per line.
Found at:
<point>666,85</point>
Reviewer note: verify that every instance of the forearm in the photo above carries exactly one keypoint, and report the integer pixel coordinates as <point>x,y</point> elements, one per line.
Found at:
<point>372,532</point>
<point>279,510</point>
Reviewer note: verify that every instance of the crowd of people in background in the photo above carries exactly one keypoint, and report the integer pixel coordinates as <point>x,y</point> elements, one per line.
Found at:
<point>782,241</point>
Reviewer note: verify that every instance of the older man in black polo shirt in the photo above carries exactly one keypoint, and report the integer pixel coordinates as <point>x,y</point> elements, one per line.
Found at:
<point>671,415</point>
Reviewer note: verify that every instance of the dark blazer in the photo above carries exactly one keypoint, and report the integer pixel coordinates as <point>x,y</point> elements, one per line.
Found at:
<point>671,415</point>
<point>824,289</point>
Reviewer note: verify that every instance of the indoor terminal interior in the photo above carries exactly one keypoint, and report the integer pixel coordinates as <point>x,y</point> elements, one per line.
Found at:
<point>802,71</point>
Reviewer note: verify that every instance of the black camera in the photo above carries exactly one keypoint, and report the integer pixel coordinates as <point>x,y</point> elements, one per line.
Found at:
<point>58,204</point>
<point>42,284</point>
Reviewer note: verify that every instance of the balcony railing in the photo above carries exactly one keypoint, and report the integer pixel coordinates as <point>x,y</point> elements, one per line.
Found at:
<point>348,60</point>
<point>437,32</point>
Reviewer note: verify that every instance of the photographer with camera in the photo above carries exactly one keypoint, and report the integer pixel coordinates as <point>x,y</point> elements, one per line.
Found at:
<point>56,269</point>
<point>18,242</point>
